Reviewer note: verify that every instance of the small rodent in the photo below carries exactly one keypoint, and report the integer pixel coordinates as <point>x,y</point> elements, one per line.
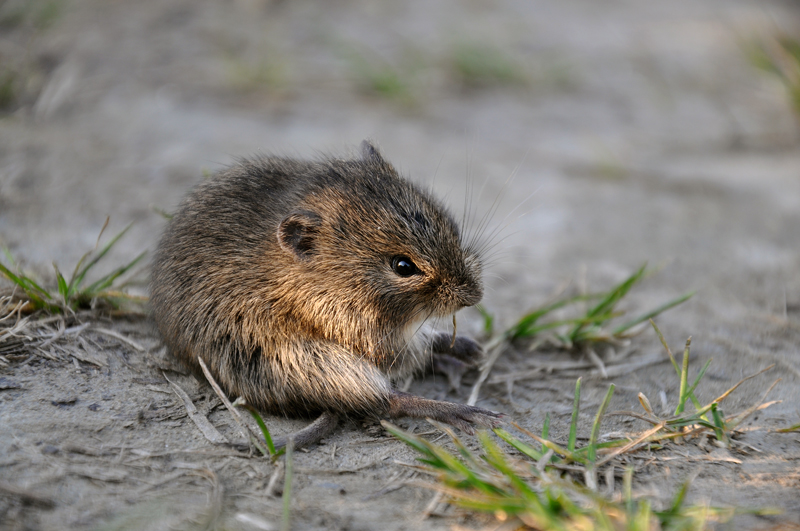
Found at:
<point>305,287</point>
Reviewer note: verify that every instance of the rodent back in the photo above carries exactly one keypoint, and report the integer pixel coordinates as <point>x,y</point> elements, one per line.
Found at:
<point>207,265</point>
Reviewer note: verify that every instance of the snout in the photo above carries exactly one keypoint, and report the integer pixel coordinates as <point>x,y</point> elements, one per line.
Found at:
<point>460,296</point>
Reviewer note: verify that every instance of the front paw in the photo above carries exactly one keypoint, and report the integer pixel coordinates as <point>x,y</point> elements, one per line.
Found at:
<point>451,367</point>
<point>464,348</point>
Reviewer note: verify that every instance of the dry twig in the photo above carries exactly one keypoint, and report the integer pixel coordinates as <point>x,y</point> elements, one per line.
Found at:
<point>206,428</point>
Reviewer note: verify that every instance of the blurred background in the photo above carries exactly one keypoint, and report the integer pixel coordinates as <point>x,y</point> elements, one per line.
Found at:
<point>601,134</point>
<point>588,136</point>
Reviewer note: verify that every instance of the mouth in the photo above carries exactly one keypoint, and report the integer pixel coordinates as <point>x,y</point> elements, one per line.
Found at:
<point>450,309</point>
<point>453,298</point>
<point>465,298</point>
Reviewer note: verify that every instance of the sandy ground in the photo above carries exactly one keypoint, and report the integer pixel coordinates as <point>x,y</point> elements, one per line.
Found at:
<point>635,131</point>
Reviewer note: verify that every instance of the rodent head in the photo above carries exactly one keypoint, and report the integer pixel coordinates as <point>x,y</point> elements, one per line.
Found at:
<point>377,248</point>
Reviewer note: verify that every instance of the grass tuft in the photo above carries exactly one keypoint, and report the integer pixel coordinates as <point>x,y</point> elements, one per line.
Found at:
<point>579,333</point>
<point>515,491</point>
<point>72,295</point>
<point>589,328</point>
<point>555,486</point>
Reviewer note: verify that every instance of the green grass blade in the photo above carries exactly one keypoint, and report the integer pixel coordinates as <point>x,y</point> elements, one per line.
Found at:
<point>262,426</point>
<point>719,425</point>
<point>692,397</point>
<point>627,490</point>
<point>72,286</point>
<point>525,449</point>
<point>161,212</point>
<point>414,442</point>
<point>690,391</point>
<point>76,281</point>
<point>573,425</point>
<point>24,282</point>
<point>643,400</point>
<point>471,460</point>
<point>35,293</point>
<point>611,299</point>
<point>546,427</point>
<point>666,347</point>
<point>488,320</point>
<point>680,496</point>
<point>62,283</point>
<point>9,257</point>
<point>31,285</point>
<point>674,514</point>
<point>109,279</point>
<point>438,458</point>
<point>494,456</point>
<point>694,400</point>
<point>642,519</point>
<point>601,411</point>
<point>684,378</point>
<point>546,432</point>
<point>649,315</point>
<point>550,445</point>
<point>593,322</point>
<point>11,276</point>
<point>616,293</point>
<point>525,326</point>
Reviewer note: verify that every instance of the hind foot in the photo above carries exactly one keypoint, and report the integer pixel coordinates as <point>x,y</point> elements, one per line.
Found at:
<point>463,417</point>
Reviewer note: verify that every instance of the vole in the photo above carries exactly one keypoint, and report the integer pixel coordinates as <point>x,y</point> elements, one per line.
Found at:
<point>305,287</point>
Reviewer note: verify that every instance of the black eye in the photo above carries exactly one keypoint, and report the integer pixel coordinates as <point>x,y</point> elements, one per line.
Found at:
<point>403,266</point>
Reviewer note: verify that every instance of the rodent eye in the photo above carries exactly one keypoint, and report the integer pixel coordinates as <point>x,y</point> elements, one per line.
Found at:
<point>403,266</point>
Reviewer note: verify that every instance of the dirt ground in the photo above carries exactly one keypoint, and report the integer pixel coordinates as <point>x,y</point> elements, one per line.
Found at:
<point>635,132</point>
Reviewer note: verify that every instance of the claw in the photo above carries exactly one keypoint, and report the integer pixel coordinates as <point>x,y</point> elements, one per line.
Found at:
<point>451,367</point>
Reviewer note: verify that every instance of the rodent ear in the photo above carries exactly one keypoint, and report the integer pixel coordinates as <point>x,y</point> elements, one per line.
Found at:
<point>370,153</point>
<point>297,233</point>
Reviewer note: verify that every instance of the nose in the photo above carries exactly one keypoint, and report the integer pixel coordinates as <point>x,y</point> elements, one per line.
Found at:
<point>469,294</point>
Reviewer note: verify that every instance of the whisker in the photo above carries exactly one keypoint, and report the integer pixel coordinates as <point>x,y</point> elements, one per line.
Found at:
<point>466,214</point>
<point>505,223</point>
<point>436,172</point>
<point>489,215</point>
<point>492,245</point>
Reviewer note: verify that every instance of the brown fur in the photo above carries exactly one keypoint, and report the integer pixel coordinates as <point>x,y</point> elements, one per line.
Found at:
<point>278,273</point>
